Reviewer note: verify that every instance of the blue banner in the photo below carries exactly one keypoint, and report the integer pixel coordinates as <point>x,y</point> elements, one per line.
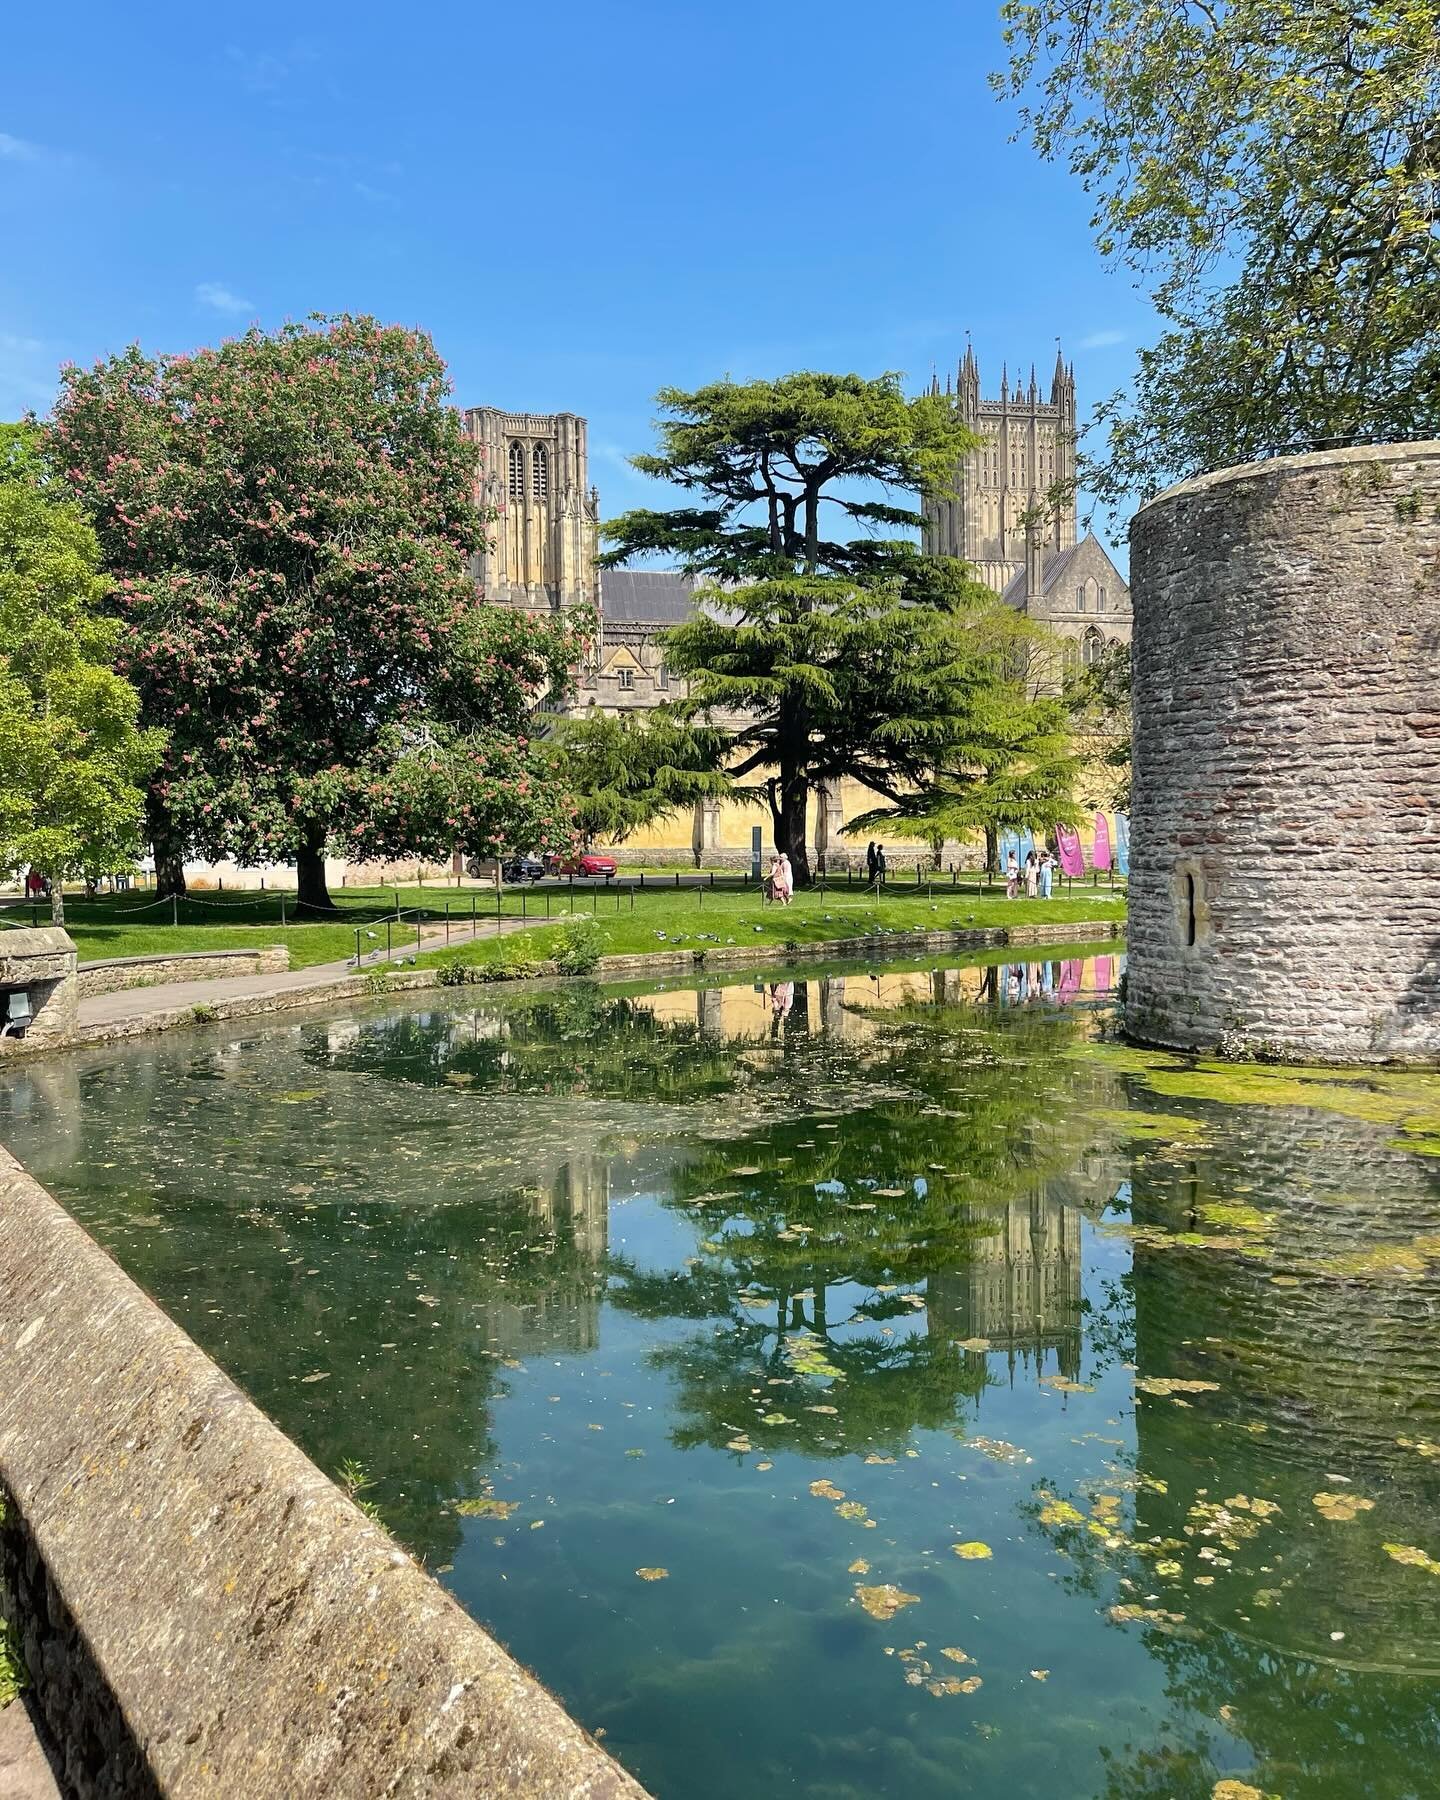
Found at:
<point>1122,843</point>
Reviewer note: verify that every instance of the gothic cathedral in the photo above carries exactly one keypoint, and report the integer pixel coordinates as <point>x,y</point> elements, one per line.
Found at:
<point>1012,512</point>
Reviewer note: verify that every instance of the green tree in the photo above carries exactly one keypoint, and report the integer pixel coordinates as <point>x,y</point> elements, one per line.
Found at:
<point>626,772</point>
<point>828,656</point>
<point>72,760</point>
<point>1005,760</point>
<point>1099,700</point>
<point>1272,169</point>
<point>291,519</point>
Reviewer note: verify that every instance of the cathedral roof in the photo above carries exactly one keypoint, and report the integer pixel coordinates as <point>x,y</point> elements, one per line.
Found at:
<point>1017,590</point>
<point>647,596</point>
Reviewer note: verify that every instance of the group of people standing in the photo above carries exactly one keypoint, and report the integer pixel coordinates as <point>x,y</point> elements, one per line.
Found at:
<point>1038,874</point>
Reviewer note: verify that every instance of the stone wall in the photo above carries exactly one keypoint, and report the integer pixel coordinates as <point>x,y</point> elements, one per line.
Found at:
<point>1285,828</point>
<point>113,974</point>
<point>202,1612</point>
<point>41,962</point>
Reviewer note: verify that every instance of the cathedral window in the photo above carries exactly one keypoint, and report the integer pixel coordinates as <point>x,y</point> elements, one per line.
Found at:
<point>1080,598</point>
<point>1100,601</point>
<point>517,472</point>
<point>1092,649</point>
<point>662,676</point>
<point>626,678</point>
<point>540,483</point>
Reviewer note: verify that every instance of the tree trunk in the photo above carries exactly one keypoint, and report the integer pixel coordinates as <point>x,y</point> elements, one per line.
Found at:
<point>57,901</point>
<point>789,804</point>
<point>310,870</point>
<point>169,850</point>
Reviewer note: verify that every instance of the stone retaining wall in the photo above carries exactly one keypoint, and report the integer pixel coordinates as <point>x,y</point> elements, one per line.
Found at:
<point>202,1612</point>
<point>112,974</point>
<point>1285,828</point>
<point>38,962</point>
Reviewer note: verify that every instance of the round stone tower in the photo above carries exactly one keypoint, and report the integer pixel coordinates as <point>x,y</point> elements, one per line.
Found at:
<point>1285,825</point>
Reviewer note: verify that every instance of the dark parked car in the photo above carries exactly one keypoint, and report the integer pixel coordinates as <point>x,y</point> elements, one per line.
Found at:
<point>522,868</point>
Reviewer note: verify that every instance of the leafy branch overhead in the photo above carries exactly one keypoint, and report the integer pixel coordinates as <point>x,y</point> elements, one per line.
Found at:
<point>1271,171</point>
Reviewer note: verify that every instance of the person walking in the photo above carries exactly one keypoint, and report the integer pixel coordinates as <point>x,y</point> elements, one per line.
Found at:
<point>880,870</point>
<point>871,864</point>
<point>782,881</point>
<point>1012,875</point>
<point>1032,876</point>
<point>1047,872</point>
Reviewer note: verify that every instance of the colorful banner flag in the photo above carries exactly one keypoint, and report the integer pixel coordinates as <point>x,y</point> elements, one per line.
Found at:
<point>1007,841</point>
<point>1072,859</point>
<point>1027,848</point>
<point>1102,975</point>
<point>1122,843</point>
<point>1100,850</point>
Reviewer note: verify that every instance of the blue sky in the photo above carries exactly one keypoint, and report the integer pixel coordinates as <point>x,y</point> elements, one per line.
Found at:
<point>579,202</point>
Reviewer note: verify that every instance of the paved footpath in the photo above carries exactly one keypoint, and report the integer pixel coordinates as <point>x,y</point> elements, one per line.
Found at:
<point>25,1772</point>
<point>127,1005</point>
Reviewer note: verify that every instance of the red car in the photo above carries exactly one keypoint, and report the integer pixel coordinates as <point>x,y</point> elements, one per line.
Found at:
<point>586,864</point>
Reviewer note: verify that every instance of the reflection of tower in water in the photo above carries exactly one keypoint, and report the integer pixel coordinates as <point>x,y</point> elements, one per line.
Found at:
<point>570,1218</point>
<point>1325,1348</point>
<point>1020,1287</point>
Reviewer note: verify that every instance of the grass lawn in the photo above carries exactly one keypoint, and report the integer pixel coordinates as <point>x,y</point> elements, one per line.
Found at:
<point>691,918</point>
<point>632,918</point>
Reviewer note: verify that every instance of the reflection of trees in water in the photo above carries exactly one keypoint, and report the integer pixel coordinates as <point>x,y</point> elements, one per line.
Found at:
<point>574,1040</point>
<point>820,1234</point>
<point>1325,1358</point>
<point>346,1238</point>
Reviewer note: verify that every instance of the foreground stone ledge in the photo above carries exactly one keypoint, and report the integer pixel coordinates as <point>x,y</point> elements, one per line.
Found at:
<point>202,1611</point>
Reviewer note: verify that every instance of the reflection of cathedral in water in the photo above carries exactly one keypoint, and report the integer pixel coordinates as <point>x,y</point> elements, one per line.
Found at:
<point>571,1217</point>
<point>1021,1288</point>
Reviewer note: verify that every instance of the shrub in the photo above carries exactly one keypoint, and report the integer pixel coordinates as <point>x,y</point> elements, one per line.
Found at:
<point>454,974</point>
<point>579,945</point>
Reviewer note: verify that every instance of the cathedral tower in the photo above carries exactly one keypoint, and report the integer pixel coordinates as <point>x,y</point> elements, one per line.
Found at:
<point>533,481</point>
<point>1027,450</point>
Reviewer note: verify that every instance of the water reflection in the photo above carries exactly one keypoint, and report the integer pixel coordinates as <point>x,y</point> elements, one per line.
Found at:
<point>790,1285</point>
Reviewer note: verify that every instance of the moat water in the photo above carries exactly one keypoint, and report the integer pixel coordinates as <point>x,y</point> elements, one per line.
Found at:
<point>878,1383</point>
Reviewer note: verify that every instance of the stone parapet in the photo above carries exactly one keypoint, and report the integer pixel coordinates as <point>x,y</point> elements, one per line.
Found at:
<point>111,975</point>
<point>202,1612</point>
<point>1285,826</point>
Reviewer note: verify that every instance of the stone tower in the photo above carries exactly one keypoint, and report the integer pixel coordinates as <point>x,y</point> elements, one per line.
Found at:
<point>1028,448</point>
<point>1285,824</point>
<point>533,479</point>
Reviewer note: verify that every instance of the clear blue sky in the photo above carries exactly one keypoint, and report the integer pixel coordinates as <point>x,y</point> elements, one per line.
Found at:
<point>578,202</point>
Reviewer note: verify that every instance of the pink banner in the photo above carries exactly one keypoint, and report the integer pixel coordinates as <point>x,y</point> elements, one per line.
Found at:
<point>1100,854</point>
<point>1071,859</point>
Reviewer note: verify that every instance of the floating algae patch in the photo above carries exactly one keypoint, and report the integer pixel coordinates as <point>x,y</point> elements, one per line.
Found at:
<point>1151,1125</point>
<point>1123,1059</point>
<point>1410,1101</point>
<point>1421,1144</point>
<point>1412,1258</point>
<point>1235,1215</point>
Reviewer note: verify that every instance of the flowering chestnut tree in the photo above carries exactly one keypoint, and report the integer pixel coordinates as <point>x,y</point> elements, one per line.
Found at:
<point>289,519</point>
